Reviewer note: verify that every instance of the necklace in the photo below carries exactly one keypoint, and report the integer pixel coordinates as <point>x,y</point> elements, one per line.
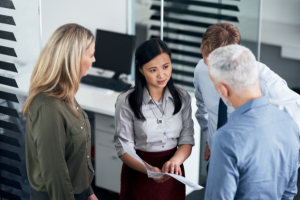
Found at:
<point>159,120</point>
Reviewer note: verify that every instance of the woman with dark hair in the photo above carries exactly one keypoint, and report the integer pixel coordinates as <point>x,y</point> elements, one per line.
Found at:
<point>153,118</point>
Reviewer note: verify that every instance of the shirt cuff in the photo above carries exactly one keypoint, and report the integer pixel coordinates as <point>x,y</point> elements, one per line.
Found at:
<point>121,151</point>
<point>189,139</point>
<point>91,190</point>
<point>209,141</point>
<point>205,135</point>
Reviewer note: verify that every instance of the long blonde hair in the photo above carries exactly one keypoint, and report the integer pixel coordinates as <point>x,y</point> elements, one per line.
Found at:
<point>57,71</point>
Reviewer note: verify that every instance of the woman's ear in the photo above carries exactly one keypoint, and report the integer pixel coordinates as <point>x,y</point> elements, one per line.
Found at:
<point>141,70</point>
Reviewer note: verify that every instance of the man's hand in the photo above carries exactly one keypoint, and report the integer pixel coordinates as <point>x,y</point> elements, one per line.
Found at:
<point>93,197</point>
<point>206,152</point>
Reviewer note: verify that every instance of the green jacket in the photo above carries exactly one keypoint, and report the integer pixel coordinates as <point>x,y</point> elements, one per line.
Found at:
<point>58,148</point>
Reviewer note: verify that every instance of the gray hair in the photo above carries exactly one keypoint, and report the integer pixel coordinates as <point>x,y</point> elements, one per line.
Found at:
<point>233,65</point>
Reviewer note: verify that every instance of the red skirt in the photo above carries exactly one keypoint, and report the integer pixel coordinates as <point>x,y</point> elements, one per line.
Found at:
<point>137,186</point>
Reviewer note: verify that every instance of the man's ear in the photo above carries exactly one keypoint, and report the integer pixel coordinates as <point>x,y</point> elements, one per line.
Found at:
<point>224,90</point>
<point>205,59</point>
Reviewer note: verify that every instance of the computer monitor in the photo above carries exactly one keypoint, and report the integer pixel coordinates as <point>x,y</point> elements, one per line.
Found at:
<point>114,51</point>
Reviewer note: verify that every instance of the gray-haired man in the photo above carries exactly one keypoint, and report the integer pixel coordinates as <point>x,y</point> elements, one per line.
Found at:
<point>255,154</point>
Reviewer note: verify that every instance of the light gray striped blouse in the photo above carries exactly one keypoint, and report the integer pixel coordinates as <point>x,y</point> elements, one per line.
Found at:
<point>148,135</point>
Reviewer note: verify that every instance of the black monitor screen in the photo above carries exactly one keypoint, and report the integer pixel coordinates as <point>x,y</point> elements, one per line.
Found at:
<point>113,51</point>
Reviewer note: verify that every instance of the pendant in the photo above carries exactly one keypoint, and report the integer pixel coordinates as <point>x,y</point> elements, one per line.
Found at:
<point>159,120</point>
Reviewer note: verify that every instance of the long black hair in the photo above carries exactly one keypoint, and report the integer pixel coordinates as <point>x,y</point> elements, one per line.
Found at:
<point>144,54</point>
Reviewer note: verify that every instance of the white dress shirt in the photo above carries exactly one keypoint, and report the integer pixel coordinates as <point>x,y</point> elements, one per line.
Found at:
<point>271,85</point>
<point>148,135</point>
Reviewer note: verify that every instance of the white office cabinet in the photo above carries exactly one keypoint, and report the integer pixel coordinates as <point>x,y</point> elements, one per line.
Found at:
<point>105,123</point>
<point>106,140</point>
<point>108,164</point>
<point>108,169</point>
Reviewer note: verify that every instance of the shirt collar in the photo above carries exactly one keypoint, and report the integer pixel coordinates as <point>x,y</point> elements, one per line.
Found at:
<point>255,103</point>
<point>148,99</point>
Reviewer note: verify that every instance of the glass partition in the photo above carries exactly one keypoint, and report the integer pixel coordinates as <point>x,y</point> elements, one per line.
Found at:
<point>248,16</point>
<point>20,45</point>
<point>184,23</point>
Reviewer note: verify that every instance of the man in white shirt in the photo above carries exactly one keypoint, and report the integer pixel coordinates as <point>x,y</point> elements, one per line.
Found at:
<point>212,113</point>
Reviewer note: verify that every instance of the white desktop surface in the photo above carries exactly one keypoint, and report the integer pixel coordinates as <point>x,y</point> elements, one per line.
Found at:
<point>95,100</point>
<point>98,100</point>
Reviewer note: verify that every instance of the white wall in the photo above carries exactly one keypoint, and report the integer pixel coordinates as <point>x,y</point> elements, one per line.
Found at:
<point>26,32</point>
<point>192,164</point>
<point>282,11</point>
<point>93,14</point>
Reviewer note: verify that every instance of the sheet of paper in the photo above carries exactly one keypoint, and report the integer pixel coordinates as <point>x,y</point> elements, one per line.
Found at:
<point>152,174</point>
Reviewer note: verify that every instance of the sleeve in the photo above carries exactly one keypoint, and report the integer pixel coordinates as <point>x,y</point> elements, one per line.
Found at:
<point>91,190</point>
<point>201,113</point>
<point>223,176</point>
<point>187,132</point>
<point>124,126</point>
<point>281,96</point>
<point>49,137</point>
<point>291,190</point>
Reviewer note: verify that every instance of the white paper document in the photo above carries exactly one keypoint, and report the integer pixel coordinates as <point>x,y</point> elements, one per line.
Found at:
<point>152,174</point>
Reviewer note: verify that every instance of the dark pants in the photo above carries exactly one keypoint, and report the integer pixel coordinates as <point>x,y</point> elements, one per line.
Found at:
<point>35,195</point>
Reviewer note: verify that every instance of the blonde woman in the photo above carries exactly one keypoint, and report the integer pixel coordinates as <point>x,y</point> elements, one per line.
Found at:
<point>58,131</point>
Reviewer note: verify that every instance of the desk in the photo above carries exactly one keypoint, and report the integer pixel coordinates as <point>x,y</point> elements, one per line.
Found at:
<point>102,103</point>
<point>89,99</point>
